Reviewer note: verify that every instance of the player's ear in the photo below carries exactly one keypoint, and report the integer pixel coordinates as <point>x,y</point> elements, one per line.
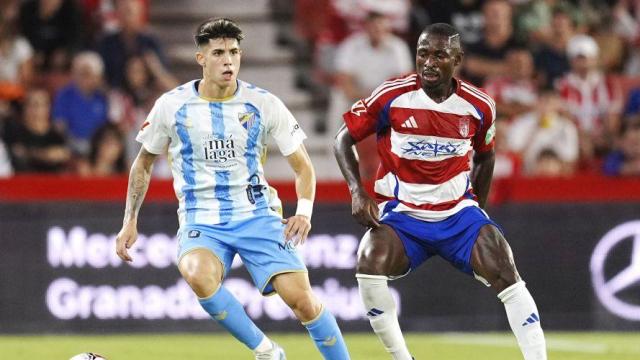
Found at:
<point>200,58</point>
<point>458,58</point>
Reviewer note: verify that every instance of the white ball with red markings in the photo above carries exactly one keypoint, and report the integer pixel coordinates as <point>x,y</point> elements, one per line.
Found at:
<point>88,356</point>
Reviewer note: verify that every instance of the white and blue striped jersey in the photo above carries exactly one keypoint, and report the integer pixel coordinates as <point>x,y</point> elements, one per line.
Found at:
<point>217,149</point>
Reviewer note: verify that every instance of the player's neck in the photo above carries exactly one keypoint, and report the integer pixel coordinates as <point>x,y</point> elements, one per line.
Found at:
<point>441,92</point>
<point>209,90</point>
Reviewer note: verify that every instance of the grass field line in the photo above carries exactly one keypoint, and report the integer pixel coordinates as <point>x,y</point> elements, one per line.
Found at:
<point>552,344</point>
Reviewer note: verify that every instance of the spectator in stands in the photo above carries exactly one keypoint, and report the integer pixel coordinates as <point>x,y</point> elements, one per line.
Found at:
<point>545,129</point>
<point>53,28</point>
<point>625,160</point>
<point>591,97</point>
<point>551,59</point>
<point>6,170</point>
<point>81,107</point>
<point>549,164</point>
<point>34,144</point>
<point>145,81</point>
<point>16,55</point>
<point>508,162</point>
<point>107,156</point>
<point>487,57</point>
<point>626,23</point>
<point>465,15</point>
<point>365,60</point>
<point>516,91</point>
<point>132,39</point>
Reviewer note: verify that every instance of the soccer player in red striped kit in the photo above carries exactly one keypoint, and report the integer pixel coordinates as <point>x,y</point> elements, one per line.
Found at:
<point>428,199</point>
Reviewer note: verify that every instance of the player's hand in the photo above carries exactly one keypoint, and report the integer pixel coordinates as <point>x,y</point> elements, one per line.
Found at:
<point>364,209</point>
<point>297,229</point>
<point>125,239</point>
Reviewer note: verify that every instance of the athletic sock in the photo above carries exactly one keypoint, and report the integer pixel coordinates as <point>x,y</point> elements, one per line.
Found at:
<point>228,312</point>
<point>326,334</point>
<point>382,314</point>
<point>524,320</point>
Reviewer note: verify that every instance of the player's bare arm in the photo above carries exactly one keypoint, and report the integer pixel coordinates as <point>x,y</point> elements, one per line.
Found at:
<point>363,207</point>
<point>482,174</point>
<point>139,179</point>
<point>299,225</point>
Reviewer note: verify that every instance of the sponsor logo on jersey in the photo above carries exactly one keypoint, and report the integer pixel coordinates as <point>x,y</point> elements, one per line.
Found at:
<point>144,125</point>
<point>220,153</point>
<point>296,128</point>
<point>426,149</point>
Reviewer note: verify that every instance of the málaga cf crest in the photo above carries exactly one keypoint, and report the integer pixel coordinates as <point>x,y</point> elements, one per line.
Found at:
<point>247,119</point>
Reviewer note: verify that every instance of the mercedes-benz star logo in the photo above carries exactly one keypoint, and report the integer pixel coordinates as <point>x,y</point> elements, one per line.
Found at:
<point>607,290</point>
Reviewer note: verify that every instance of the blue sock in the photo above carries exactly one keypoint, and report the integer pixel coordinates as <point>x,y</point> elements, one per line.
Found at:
<point>326,334</point>
<point>227,311</point>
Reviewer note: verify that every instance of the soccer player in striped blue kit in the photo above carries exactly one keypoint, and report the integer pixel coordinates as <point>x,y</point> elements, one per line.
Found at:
<point>215,131</point>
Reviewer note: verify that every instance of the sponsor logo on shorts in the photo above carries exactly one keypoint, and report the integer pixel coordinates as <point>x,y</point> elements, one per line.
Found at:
<point>287,246</point>
<point>194,234</point>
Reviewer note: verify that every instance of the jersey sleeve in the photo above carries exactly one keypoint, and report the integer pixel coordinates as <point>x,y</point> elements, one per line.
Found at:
<point>484,140</point>
<point>362,118</point>
<point>284,128</point>
<point>154,134</point>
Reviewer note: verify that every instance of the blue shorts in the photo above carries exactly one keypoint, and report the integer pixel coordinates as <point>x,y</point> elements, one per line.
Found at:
<point>452,238</point>
<point>259,240</point>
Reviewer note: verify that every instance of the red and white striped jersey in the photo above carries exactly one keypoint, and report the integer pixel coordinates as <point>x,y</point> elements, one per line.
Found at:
<point>591,100</point>
<point>425,147</point>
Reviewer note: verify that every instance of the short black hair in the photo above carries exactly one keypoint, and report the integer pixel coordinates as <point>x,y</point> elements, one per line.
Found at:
<point>217,28</point>
<point>443,29</point>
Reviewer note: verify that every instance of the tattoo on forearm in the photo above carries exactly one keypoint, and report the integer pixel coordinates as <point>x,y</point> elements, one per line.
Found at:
<point>138,185</point>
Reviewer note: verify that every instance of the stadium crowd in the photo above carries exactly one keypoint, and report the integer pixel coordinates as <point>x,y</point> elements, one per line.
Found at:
<point>77,77</point>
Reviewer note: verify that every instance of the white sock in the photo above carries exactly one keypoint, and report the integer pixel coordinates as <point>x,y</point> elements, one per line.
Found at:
<point>524,320</point>
<point>265,345</point>
<point>382,314</point>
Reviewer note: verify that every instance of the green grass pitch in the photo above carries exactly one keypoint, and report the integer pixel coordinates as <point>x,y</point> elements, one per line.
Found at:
<point>363,346</point>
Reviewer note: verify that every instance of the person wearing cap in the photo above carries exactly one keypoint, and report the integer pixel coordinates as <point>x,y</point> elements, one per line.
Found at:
<point>591,97</point>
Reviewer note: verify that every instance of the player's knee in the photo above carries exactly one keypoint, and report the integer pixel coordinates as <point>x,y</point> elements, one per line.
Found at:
<point>202,279</point>
<point>306,307</point>
<point>204,285</point>
<point>506,276</point>
<point>372,261</point>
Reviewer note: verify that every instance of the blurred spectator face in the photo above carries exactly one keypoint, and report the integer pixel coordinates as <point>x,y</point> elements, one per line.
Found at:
<point>582,51</point>
<point>548,164</point>
<point>110,146</point>
<point>87,71</point>
<point>377,27</point>
<point>549,103</point>
<point>49,7</point>
<point>631,142</point>
<point>498,17</point>
<point>136,73</point>
<point>8,16</point>
<point>520,64</point>
<point>130,15</point>
<point>562,26</point>
<point>37,107</point>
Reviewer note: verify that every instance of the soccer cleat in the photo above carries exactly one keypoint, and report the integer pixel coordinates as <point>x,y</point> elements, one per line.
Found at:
<point>275,353</point>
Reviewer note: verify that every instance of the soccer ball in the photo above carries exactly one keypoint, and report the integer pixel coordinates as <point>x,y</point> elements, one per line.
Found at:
<point>88,356</point>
